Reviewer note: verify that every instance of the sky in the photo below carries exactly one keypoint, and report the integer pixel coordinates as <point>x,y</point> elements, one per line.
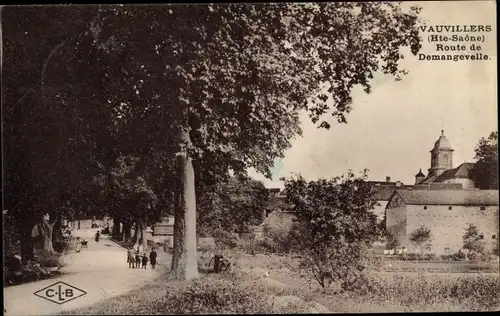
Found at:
<point>391,130</point>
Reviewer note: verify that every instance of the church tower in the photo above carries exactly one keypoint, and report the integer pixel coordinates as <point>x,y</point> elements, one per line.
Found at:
<point>441,156</point>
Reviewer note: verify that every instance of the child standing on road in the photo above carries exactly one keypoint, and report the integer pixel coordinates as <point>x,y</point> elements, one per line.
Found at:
<point>137,260</point>
<point>131,258</point>
<point>78,244</point>
<point>144,261</point>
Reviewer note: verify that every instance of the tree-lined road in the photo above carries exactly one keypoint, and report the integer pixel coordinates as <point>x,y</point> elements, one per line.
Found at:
<point>100,270</point>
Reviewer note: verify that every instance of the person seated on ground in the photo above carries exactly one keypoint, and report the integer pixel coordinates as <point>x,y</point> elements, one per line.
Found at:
<point>220,263</point>
<point>131,258</point>
<point>144,261</point>
<point>97,236</point>
<point>224,264</point>
<point>137,260</point>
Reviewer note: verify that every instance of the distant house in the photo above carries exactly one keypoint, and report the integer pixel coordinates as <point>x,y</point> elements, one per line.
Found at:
<point>276,202</point>
<point>447,213</point>
<point>163,231</point>
<point>382,191</point>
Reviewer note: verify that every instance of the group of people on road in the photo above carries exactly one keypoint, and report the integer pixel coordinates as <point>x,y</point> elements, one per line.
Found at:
<point>137,258</point>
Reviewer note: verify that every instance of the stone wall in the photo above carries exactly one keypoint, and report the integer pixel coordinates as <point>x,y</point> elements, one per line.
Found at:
<point>466,183</point>
<point>447,225</point>
<point>396,224</point>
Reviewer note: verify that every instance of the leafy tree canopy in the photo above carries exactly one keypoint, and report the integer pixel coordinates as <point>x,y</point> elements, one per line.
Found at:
<point>485,170</point>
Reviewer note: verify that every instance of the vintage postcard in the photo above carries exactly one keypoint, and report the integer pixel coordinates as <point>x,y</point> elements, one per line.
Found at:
<point>242,158</point>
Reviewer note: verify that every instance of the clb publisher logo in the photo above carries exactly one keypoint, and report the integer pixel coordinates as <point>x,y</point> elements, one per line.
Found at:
<point>60,293</point>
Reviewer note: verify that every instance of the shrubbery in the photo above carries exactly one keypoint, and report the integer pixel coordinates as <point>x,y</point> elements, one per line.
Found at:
<point>272,241</point>
<point>224,239</point>
<point>31,271</point>
<point>477,292</point>
<point>201,296</point>
<point>415,257</point>
<point>61,245</point>
<point>106,231</point>
<point>49,259</point>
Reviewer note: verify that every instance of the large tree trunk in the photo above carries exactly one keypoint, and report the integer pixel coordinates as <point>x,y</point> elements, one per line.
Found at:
<point>27,249</point>
<point>56,232</point>
<point>184,258</point>
<point>126,230</point>
<point>144,237</point>
<point>116,227</point>
<point>137,232</point>
<point>128,233</point>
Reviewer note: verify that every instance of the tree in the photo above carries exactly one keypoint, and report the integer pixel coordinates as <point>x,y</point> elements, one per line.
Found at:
<point>472,241</point>
<point>485,170</point>
<point>234,205</point>
<point>421,236</point>
<point>391,241</point>
<point>130,196</point>
<point>39,135</point>
<point>286,58</point>
<point>227,81</point>
<point>335,224</point>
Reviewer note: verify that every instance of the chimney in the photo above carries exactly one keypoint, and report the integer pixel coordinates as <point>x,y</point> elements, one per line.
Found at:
<point>387,179</point>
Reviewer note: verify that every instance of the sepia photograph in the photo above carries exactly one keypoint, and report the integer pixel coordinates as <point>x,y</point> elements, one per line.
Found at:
<point>250,158</point>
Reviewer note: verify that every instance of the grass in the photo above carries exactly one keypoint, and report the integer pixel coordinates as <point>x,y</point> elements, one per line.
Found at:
<point>245,290</point>
<point>207,295</point>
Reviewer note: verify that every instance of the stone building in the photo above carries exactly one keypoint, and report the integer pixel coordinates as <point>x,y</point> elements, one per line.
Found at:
<point>382,192</point>
<point>447,213</point>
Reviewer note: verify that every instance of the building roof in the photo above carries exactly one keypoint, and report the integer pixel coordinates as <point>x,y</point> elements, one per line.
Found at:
<point>442,142</point>
<point>461,172</point>
<point>420,174</point>
<point>383,193</point>
<point>438,186</point>
<point>384,183</point>
<point>449,197</point>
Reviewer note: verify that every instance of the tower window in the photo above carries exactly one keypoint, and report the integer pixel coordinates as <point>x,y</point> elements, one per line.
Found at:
<point>493,236</point>
<point>450,208</point>
<point>445,159</point>
<point>425,207</point>
<point>482,208</point>
<point>481,236</point>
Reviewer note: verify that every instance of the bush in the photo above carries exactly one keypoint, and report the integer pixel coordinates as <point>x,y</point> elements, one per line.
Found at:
<point>202,296</point>
<point>477,256</point>
<point>49,260</point>
<point>478,292</point>
<point>61,245</point>
<point>29,272</point>
<point>458,256</point>
<point>105,231</point>
<point>277,240</point>
<point>391,242</point>
<point>224,239</point>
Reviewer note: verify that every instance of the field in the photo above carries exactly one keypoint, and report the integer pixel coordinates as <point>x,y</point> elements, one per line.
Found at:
<point>274,284</point>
